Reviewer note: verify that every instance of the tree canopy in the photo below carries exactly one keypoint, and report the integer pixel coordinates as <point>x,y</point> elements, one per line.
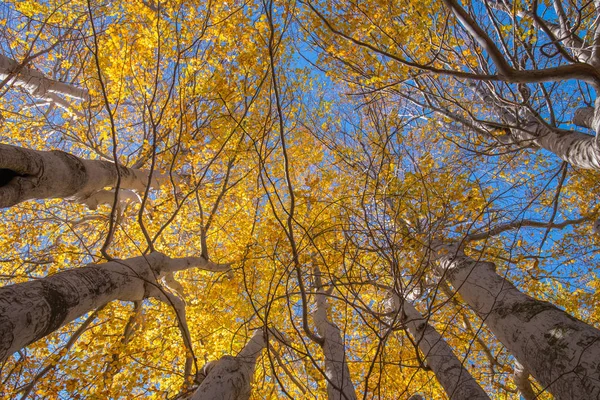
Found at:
<point>299,199</point>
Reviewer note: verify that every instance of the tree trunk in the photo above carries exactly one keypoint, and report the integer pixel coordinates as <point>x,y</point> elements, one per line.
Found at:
<point>578,149</point>
<point>449,370</point>
<point>38,85</point>
<point>30,174</point>
<point>560,351</point>
<point>229,378</point>
<point>339,384</point>
<point>29,311</point>
<point>34,82</point>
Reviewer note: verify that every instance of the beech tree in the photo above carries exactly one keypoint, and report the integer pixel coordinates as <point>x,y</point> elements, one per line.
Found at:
<point>34,309</point>
<point>230,377</point>
<point>30,174</point>
<point>511,315</point>
<point>312,199</point>
<point>452,375</point>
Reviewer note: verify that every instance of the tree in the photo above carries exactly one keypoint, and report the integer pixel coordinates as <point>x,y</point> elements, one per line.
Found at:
<point>29,174</point>
<point>34,309</point>
<point>454,378</point>
<point>230,377</point>
<point>513,316</point>
<point>385,209</point>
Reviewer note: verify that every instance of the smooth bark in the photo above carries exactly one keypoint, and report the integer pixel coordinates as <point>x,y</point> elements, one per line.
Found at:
<point>34,82</point>
<point>229,378</point>
<point>560,351</point>
<point>31,310</point>
<point>30,174</point>
<point>449,370</point>
<point>339,384</point>
<point>578,149</point>
<point>38,85</point>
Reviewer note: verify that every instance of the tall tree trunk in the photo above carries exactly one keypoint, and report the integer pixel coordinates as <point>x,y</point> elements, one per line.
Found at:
<point>229,378</point>
<point>449,370</point>
<point>29,311</point>
<point>30,174</point>
<point>560,351</point>
<point>339,384</point>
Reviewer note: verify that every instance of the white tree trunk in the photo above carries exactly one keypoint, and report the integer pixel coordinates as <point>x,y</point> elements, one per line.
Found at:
<point>30,174</point>
<point>560,351</point>
<point>229,378</point>
<point>38,85</point>
<point>32,310</point>
<point>339,384</point>
<point>449,370</point>
<point>578,149</point>
<point>34,82</point>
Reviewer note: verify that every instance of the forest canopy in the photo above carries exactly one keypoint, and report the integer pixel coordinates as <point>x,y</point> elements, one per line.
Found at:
<point>299,199</point>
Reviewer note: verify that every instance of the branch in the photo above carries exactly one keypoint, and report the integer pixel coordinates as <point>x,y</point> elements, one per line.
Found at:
<point>580,71</point>
<point>72,340</point>
<point>38,85</point>
<point>521,224</point>
<point>522,383</point>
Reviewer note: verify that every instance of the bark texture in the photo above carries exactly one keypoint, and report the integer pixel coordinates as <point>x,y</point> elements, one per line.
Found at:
<point>34,82</point>
<point>560,351</point>
<point>31,310</point>
<point>339,384</point>
<point>30,174</point>
<point>449,370</point>
<point>229,378</point>
<point>38,85</point>
<point>578,149</point>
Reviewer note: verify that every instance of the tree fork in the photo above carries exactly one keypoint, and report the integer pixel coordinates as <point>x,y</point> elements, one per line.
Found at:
<point>31,310</point>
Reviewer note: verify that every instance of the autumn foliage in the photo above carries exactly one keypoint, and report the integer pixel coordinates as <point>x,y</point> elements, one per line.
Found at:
<point>307,168</point>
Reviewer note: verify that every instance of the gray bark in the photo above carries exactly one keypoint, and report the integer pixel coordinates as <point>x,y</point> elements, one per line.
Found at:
<point>339,384</point>
<point>31,310</point>
<point>449,370</point>
<point>576,148</point>
<point>584,117</point>
<point>229,378</point>
<point>30,174</point>
<point>560,351</point>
